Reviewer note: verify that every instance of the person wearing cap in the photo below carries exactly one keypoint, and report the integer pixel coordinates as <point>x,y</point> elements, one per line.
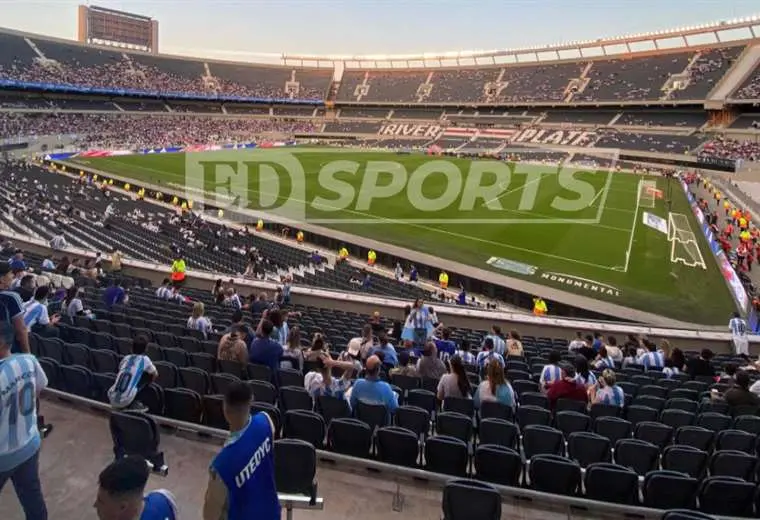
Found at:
<point>14,331</point>
<point>371,389</point>
<point>567,387</point>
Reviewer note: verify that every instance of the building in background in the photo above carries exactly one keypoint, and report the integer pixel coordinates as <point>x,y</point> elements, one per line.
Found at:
<point>102,26</point>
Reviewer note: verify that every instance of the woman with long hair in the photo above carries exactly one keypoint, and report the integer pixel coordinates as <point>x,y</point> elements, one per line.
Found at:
<point>674,364</point>
<point>495,387</point>
<point>583,374</point>
<point>419,325</point>
<point>455,383</point>
<point>292,355</point>
<point>197,321</point>
<point>72,304</point>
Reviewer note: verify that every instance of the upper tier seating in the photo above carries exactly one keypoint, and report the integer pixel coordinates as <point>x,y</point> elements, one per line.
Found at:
<point>90,66</point>
<point>750,89</point>
<point>747,121</point>
<point>632,79</point>
<point>463,85</point>
<point>706,71</point>
<point>381,85</point>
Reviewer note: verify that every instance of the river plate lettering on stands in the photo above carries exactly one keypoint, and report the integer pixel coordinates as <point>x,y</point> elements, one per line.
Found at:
<point>511,265</point>
<point>581,283</point>
<point>561,137</point>
<point>410,130</point>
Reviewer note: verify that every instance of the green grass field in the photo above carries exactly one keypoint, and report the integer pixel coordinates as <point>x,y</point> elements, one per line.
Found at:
<point>585,225</point>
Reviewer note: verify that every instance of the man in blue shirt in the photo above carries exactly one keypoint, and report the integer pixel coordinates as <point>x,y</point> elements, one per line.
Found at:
<point>241,482</point>
<point>265,351</point>
<point>120,493</point>
<point>17,262</point>
<point>389,353</point>
<point>371,389</point>
<point>114,295</point>
<point>446,347</point>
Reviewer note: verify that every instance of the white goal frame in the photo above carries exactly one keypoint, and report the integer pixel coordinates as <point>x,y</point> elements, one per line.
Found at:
<point>646,194</point>
<point>684,247</point>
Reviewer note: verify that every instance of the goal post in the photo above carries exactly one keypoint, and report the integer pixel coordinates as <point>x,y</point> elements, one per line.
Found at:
<point>648,192</point>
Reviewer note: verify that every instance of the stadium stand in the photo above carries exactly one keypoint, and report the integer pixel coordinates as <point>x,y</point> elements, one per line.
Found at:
<point>674,144</point>
<point>706,70</point>
<point>364,112</point>
<point>581,117</point>
<point>731,149</point>
<point>95,130</point>
<point>751,87</point>
<point>73,64</point>
<point>381,86</point>
<point>632,79</point>
<point>670,444</point>
<point>746,122</point>
<point>347,127</point>
<point>416,113</point>
<point>537,82</point>
<point>462,85</point>
<point>689,119</point>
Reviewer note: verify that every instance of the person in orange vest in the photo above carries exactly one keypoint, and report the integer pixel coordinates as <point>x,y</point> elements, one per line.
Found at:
<point>260,225</point>
<point>727,206</point>
<point>539,306</point>
<point>342,254</point>
<point>443,279</point>
<point>178,270</point>
<point>371,257</point>
<point>299,237</point>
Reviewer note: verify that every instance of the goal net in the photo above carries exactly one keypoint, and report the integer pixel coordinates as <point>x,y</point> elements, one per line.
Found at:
<point>648,192</point>
<point>684,247</point>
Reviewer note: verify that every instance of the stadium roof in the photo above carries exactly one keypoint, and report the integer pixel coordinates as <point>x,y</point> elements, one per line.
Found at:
<point>715,32</point>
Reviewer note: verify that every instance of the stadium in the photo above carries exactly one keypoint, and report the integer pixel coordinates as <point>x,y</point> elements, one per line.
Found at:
<point>578,221</point>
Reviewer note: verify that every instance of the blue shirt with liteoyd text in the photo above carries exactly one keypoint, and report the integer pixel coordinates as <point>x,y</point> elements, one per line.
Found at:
<point>246,466</point>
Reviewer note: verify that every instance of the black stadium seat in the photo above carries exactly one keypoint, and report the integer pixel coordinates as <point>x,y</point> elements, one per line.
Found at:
<point>554,474</point>
<point>607,482</point>
<point>398,446</point>
<point>498,464</point>
<point>470,500</point>
<point>349,437</point>
<point>669,490</point>
<point>136,434</point>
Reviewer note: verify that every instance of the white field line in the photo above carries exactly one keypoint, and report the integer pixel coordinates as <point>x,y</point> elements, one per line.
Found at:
<point>633,228</point>
<point>520,187</point>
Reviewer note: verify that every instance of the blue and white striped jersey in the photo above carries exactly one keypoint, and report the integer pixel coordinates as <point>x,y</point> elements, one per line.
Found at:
<point>131,370</point>
<point>35,313</point>
<point>653,359</point>
<point>737,326</point>
<point>21,380</point>
<point>613,395</point>
<point>550,374</point>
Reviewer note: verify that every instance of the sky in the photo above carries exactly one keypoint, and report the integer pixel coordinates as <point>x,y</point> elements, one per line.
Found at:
<point>244,29</point>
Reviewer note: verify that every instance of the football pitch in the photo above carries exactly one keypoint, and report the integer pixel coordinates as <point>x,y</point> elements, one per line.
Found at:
<point>578,230</point>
